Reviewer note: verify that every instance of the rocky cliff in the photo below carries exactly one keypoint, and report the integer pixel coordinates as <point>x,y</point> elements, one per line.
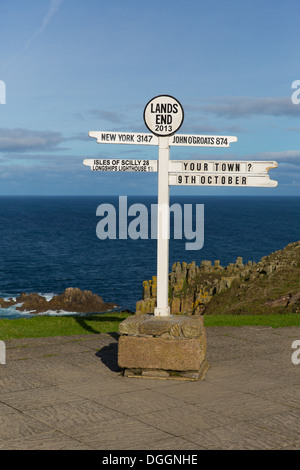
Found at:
<point>272,283</point>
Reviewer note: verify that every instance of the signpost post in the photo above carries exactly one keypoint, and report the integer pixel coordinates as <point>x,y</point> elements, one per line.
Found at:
<point>163,116</point>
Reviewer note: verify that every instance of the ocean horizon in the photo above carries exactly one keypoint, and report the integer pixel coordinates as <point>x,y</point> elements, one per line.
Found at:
<point>49,243</point>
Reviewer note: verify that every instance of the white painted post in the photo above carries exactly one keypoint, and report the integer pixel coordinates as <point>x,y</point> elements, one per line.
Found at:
<point>163,229</point>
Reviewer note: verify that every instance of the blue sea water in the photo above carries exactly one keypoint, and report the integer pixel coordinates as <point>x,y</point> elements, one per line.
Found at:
<point>49,243</point>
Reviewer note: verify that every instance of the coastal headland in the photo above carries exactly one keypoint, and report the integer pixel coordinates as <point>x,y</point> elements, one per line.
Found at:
<point>271,285</point>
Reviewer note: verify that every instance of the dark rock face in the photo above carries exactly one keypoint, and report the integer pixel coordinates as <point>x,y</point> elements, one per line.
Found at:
<point>71,300</point>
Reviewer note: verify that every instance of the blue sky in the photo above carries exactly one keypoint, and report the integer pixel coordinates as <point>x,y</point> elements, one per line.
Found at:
<point>71,66</point>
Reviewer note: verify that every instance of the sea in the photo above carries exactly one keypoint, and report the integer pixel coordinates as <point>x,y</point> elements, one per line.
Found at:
<point>49,243</point>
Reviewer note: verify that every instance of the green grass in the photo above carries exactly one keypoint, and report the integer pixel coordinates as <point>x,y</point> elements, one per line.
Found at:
<point>45,326</point>
<point>273,320</point>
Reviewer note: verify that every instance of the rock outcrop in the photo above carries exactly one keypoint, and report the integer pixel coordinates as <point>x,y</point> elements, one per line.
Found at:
<point>71,300</point>
<point>192,287</point>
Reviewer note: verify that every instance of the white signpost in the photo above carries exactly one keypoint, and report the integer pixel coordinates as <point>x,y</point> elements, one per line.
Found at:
<point>220,166</point>
<point>202,140</point>
<point>221,173</point>
<point>163,116</point>
<point>124,138</point>
<point>115,164</point>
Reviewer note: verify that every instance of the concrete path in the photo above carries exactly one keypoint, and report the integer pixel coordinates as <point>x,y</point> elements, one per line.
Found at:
<point>67,393</point>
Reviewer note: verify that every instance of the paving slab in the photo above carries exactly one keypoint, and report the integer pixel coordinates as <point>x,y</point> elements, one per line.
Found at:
<point>52,441</point>
<point>195,420</point>
<point>77,417</point>
<point>20,382</point>
<point>39,397</point>
<point>286,423</point>
<point>68,393</point>
<point>131,403</point>
<point>17,425</point>
<point>240,436</point>
<point>123,434</point>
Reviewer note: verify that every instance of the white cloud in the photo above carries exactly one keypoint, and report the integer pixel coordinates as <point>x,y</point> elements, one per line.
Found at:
<point>110,116</point>
<point>24,140</point>
<point>292,156</point>
<point>244,106</point>
<point>54,6</point>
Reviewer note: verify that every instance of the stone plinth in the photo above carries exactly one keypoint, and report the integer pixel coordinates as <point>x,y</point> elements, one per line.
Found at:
<point>170,347</point>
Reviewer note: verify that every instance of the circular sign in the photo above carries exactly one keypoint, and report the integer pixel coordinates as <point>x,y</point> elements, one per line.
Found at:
<point>163,115</point>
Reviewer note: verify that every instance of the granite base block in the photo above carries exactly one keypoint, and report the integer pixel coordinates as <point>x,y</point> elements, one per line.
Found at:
<point>163,347</point>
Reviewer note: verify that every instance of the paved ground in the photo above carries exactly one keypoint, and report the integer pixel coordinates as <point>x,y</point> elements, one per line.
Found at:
<point>67,393</point>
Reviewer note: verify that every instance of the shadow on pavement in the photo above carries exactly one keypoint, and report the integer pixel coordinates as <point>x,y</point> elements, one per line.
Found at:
<point>109,357</point>
<point>108,354</point>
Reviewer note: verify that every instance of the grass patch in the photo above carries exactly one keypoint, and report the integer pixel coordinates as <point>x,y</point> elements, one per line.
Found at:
<point>46,326</point>
<point>273,320</point>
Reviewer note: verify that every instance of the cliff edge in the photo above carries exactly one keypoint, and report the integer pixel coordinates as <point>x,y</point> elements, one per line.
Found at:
<point>270,286</point>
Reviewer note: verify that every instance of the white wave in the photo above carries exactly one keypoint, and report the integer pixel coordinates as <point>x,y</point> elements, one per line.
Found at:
<point>9,297</point>
<point>11,312</point>
<point>56,313</point>
<point>48,296</point>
